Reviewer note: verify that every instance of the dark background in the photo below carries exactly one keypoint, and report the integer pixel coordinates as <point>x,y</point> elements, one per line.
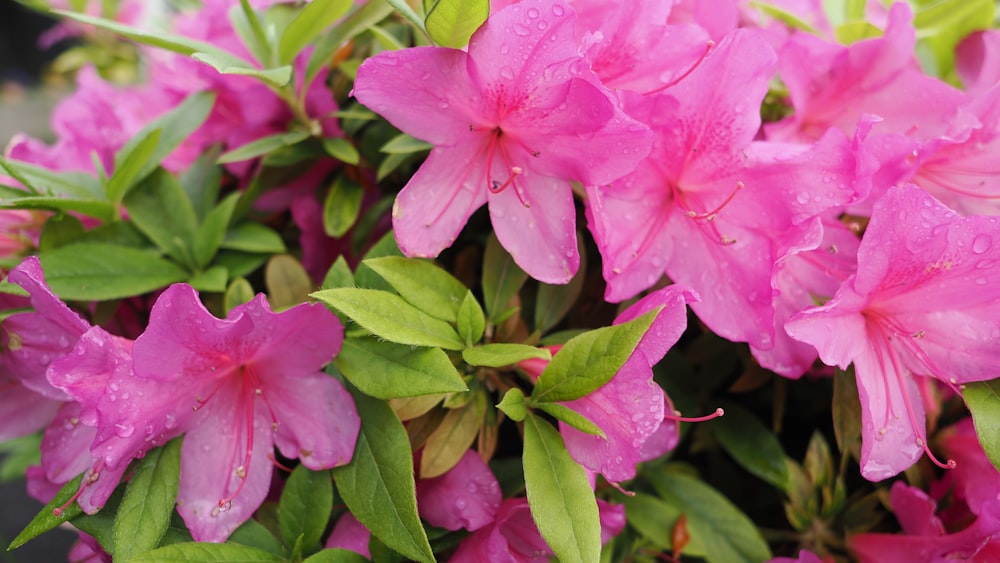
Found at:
<point>24,107</point>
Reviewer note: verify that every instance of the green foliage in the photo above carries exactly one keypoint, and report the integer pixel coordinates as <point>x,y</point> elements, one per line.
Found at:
<point>307,24</point>
<point>47,519</point>
<point>305,507</point>
<point>378,485</point>
<point>983,399</point>
<point>144,514</point>
<point>503,354</point>
<point>198,552</point>
<point>561,500</point>
<point>101,271</point>
<point>422,284</point>
<point>589,360</point>
<point>752,445</point>
<point>450,23</point>
<point>387,370</point>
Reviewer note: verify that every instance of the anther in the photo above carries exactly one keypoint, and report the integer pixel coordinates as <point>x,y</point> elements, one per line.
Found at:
<point>497,187</point>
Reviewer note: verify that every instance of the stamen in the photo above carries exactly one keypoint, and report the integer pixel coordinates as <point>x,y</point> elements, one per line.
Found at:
<point>711,215</point>
<point>278,464</point>
<point>685,74</point>
<point>90,479</point>
<point>676,416</point>
<point>497,187</point>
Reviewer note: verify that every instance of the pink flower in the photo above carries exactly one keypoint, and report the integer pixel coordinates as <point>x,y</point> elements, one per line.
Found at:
<point>247,382</point>
<point>466,496</point>
<point>630,408</point>
<point>927,286</point>
<point>350,534</point>
<point>977,61</point>
<point>513,121</point>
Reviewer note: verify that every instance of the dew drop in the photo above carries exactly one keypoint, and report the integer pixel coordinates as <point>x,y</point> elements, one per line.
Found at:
<point>170,422</point>
<point>532,13</point>
<point>505,49</point>
<point>521,30</point>
<point>507,73</point>
<point>442,103</point>
<point>124,430</point>
<point>802,198</point>
<point>558,10</point>
<point>981,244</point>
<point>543,25</point>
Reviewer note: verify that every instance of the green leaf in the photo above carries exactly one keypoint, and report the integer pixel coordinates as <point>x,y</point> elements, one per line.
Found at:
<point>555,301</point>
<point>561,499</point>
<point>200,552</point>
<point>453,436</point>
<point>342,205</point>
<point>99,271</point>
<point>422,284</point>
<point>714,522</point>
<point>388,316</point>
<point>785,17</point>
<point>305,506</point>
<point>287,281</point>
<point>202,182</point>
<point>19,453</point>
<point>212,280</point>
<point>342,150</point>
<point>254,534</point>
<point>513,404</point>
<point>209,235</point>
<point>403,8</point>
<point>386,246</point>
<point>144,514</point>
<point>471,323</point>
<point>405,144</point>
<point>983,400</point>
<point>388,371</point>
<point>357,22</point>
<point>752,445</point>
<point>339,275</point>
<point>93,208</point>
<point>502,279</point>
<point>172,232</point>
<point>590,360</point>
<point>941,25</point>
<point>498,355</point>
<point>573,418</point>
<point>262,146</point>
<point>451,23</point>
<point>101,524</point>
<point>130,163</point>
<point>335,556</point>
<point>655,521</point>
<point>247,25</point>
<point>311,20</point>
<point>42,181</point>
<point>239,292</point>
<point>254,237</point>
<point>169,130</point>
<point>225,63</point>
<point>852,32</point>
<point>46,520</point>
<point>378,485</point>
<point>846,412</point>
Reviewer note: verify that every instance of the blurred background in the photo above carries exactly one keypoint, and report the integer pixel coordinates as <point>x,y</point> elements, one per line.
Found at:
<point>26,100</point>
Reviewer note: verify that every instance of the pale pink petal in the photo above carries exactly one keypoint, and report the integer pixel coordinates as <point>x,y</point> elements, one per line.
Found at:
<point>316,417</point>
<point>669,324</point>
<point>66,445</point>
<point>467,496</point>
<point>435,204</point>
<point>22,411</point>
<point>977,60</point>
<point>214,456</point>
<point>541,238</point>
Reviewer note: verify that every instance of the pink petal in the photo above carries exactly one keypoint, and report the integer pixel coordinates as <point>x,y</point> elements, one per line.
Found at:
<point>467,496</point>
<point>66,445</point>
<point>22,411</point>
<point>669,324</point>
<point>317,420</point>
<point>441,100</point>
<point>541,238</point>
<point>350,534</point>
<point>915,510</point>
<point>435,204</point>
<point>213,453</point>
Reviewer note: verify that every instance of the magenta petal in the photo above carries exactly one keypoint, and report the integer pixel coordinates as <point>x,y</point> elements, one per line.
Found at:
<point>184,338</point>
<point>22,411</point>
<point>915,510</point>
<point>310,328</point>
<point>541,238</point>
<point>669,324</point>
<point>213,457</point>
<point>431,112</point>
<point>350,534</point>
<point>435,204</point>
<point>66,445</point>
<point>467,496</point>
<point>628,409</point>
<point>316,417</point>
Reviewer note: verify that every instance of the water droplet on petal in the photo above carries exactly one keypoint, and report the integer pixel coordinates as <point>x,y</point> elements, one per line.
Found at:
<point>542,25</point>
<point>521,30</point>
<point>981,243</point>
<point>558,10</point>
<point>507,72</point>
<point>124,430</point>
<point>532,13</point>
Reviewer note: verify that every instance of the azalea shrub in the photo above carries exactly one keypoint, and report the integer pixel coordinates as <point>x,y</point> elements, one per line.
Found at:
<point>592,280</point>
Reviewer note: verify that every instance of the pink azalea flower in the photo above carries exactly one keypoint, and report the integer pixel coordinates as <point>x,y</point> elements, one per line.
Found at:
<point>832,85</point>
<point>513,122</point>
<point>926,285</point>
<point>924,537</point>
<point>466,496</point>
<point>513,537</point>
<point>629,408</point>
<point>710,207</point>
<point>247,382</point>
